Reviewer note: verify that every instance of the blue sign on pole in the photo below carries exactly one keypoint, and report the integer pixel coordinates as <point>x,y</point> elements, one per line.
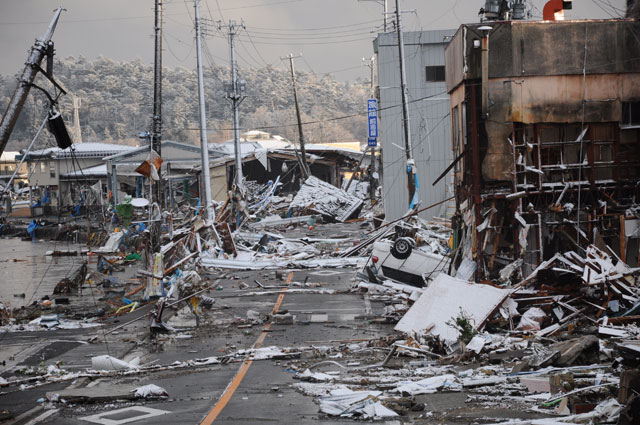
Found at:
<point>373,127</point>
<point>372,108</point>
<point>372,142</point>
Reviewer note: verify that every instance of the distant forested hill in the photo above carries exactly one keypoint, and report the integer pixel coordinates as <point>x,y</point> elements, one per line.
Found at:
<point>117,100</point>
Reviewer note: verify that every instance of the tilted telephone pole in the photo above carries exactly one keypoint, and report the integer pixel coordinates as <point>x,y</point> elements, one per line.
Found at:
<point>306,171</point>
<point>42,47</point>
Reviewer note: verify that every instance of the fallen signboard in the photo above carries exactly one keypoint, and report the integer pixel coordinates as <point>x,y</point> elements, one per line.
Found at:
<point>444,299</point>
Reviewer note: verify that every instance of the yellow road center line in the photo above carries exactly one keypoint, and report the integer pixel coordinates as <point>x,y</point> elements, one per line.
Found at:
<point>244,368</point>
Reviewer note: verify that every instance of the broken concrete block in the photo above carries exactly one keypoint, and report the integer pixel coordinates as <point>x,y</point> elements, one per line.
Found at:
<point>535,385</point>
<point>629,383</point>
<point>580,351</point>
<point>505,355</point>
<point>545,360</point>
<point>522,366</point>
<point>561,383</point>
<point>282,319</point>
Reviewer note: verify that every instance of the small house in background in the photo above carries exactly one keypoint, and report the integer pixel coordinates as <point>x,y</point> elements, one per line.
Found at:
<point>266,157</point>
<point>54,173</point>
<point>545,126</point>
<point>8,165</point>
<point>180,162</point>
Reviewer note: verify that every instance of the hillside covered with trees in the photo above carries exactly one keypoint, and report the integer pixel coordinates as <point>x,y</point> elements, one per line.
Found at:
<point>117,101</point>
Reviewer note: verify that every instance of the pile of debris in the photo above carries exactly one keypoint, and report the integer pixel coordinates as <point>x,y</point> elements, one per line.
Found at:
<point>562,341</point>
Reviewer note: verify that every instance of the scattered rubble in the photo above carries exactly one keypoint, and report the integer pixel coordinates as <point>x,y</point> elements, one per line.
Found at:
<point>561,344</point>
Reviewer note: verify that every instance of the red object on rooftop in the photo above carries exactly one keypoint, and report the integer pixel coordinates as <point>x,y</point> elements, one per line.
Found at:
<point>551,8</point>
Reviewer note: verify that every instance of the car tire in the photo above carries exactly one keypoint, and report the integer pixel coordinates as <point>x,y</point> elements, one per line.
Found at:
<point>402,248</point>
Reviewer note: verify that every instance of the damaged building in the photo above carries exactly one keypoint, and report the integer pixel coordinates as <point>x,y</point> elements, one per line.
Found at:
<point>545,120</point>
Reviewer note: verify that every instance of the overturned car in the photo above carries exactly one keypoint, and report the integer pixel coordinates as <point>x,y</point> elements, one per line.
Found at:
<point>413,257</point>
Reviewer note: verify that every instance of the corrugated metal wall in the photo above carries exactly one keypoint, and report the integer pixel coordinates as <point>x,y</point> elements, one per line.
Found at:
<point>429,119</point>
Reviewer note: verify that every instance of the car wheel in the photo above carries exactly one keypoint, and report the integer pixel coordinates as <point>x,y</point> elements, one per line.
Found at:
<point>402,248</point>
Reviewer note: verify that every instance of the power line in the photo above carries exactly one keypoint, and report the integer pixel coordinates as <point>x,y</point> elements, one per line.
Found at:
<point>171,50</point>
<point>256,49</point>
<point>293,33</point>
<point>310,43</point>
<point>262,5</point>
<point>357,114</point>
<point>318,29</point>
<point>313,36</point>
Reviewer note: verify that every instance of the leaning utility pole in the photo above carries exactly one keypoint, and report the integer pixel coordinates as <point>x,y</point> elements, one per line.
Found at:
<point>306,171</point>
<point>42,47</point>
<point>156,131</point>
<point>204,143</point>
<point>235,92</point>
<point>411,166</point>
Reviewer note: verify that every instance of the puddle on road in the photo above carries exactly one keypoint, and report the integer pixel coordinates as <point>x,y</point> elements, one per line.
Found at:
<point>24,269</point>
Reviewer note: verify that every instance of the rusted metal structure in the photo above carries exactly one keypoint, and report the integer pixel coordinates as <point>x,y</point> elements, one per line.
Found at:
<point>553,162</point>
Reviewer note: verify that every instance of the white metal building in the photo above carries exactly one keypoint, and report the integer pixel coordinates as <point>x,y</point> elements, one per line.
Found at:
<point>429,120</point>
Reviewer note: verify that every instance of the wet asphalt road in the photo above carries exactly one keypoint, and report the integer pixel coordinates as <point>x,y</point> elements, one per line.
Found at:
<point>263,395</point>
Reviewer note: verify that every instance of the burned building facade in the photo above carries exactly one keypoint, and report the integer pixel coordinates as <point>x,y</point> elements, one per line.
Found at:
<point>545,123</point>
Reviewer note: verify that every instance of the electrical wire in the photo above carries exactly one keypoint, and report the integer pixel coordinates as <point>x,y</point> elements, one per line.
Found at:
<point>357,114</point>
<point>317,29</point>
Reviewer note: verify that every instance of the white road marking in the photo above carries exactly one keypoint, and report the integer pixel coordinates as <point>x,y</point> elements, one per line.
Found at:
<point>102,418</point>
<point>42,417</point>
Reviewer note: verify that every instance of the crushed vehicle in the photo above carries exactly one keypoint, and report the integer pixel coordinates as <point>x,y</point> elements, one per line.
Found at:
<point>411,254</point>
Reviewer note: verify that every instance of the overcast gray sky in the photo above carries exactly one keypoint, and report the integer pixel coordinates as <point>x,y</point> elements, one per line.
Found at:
<point>333,35</point>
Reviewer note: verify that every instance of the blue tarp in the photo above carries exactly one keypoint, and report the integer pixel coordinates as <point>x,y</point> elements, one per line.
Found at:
<point>31,229</point>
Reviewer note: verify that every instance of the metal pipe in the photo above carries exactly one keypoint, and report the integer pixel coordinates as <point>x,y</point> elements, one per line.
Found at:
<point>485,74</point>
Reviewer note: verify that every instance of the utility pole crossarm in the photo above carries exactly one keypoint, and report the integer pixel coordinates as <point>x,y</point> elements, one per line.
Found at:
<point>306,171</point>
